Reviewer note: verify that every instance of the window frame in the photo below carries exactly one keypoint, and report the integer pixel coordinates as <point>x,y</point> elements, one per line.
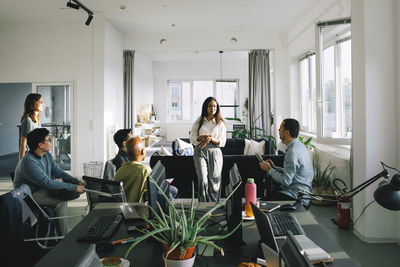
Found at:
<point>320,46</point>
<point>235,105</point>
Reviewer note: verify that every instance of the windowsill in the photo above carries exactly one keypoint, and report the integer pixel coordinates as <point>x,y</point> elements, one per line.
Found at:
<point>340,151</point>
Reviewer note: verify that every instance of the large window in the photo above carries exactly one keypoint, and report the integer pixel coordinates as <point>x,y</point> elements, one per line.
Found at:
<point>325,84</point>
<point>308,93</point>
<point>186,98</point>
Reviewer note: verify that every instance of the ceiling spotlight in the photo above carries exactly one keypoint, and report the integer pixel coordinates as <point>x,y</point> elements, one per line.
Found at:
<point>89,19</point>
<point>72,5</point>
<point>163,41</point>
<point>234,40</point>
<point>75,4</point>
<point>122,7</point>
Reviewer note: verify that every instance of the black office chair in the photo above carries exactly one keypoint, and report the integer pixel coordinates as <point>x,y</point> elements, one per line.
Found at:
<point>101,190</point>
<point>25,229</point>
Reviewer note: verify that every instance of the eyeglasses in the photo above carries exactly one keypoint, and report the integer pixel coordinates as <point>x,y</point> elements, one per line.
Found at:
<point>47,140</point>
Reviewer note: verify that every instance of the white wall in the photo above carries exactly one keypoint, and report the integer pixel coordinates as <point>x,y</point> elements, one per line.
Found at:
<point>375,109</point>
<point>58,51</point>
<point>113,87</point>
<point>142,81</point>
<point>164,71</point>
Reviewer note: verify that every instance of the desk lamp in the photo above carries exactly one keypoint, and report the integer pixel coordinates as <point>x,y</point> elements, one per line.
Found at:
<point>387,195</point>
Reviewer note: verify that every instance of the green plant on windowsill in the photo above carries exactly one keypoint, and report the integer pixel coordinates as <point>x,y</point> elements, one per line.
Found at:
<point>307,142</point>
<point>243,133</point>
<point>178,230</point>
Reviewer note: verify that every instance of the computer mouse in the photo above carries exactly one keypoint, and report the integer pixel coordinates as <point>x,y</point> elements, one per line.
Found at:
<point>104,246</point>
<point>287,207</point>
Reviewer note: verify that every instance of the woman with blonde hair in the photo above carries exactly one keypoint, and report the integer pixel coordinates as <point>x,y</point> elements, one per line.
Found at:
<point>30,119</point>
<point>208,134</point>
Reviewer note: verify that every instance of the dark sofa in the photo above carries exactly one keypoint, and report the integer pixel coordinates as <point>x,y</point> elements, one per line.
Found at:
<point>182,169</point>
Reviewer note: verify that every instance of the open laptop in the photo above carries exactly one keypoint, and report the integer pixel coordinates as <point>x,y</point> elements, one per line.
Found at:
<point>273,244</point>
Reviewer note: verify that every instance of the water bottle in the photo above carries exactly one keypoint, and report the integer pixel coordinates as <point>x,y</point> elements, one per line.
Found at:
<point>251,195</point>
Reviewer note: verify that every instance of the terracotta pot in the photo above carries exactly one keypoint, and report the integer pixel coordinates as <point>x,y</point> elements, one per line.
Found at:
<point>176,253</point>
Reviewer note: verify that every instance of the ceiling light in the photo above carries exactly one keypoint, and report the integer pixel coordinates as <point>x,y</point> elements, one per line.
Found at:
<point>234,40</point>
<point>72,5</point>
<point>89,19</point>
<point>163,41</point>
<point>122,7</point>
<point>75,4</point>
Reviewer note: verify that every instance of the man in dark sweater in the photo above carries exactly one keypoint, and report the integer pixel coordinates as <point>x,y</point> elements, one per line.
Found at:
<point>38,170</point>
<point>120,138</point>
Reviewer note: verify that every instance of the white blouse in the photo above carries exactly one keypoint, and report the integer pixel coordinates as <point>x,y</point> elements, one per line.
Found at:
<point>208,128</point>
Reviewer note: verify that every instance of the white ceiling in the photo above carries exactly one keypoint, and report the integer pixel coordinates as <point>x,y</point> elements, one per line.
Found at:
<point>157,16</point>
<point>194,20</point>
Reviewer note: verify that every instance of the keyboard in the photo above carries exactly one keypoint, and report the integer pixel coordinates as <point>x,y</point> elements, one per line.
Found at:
<point>101,228</point>
<point>281,222</point>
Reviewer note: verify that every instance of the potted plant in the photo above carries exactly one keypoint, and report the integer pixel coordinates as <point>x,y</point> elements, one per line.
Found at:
<point>243,133</point>
<point>322,182</point>
<point>178,232</point>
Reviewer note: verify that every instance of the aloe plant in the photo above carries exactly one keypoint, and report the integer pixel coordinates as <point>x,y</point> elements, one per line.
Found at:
<point>322,178</point>
<point>179,230</point>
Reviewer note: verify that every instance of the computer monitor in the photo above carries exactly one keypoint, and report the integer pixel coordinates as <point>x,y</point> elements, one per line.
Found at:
<point>233,210</point>
<point>158,175</point>
<point>292,254</point>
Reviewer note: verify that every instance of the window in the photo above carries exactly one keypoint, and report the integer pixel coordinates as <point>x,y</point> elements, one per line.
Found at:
<point>186,98</point>
<point>336,89</point>
<point>308,93</point>
<point>325,84</point>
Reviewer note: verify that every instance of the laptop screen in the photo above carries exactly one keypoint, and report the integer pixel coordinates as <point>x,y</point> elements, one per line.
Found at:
<point>264,228</point>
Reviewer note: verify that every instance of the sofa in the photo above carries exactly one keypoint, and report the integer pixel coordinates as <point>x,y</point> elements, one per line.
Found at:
<point>182,169</point>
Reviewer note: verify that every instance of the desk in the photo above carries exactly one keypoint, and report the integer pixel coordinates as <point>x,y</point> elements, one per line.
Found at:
<point>148,253</point>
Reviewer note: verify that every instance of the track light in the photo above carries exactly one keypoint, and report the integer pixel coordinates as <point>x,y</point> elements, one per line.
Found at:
<point>89,19</point>
<point>75,4</point>
<point>72,5</point>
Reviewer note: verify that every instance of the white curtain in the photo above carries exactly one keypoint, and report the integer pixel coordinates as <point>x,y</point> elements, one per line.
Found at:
<point>129,59</point>
<point>259,92</point>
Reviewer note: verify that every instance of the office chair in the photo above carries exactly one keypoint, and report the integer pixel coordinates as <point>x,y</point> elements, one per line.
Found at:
<point>109,170</point>
<point>25,228</point>
<point>101,190</point>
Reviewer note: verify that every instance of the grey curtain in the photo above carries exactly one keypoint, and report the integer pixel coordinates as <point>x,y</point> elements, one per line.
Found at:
<point>129,59</point>
<point>259,92</point>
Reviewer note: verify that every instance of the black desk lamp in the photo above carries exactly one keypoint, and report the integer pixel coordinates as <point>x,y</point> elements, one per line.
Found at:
<point>388,195</point>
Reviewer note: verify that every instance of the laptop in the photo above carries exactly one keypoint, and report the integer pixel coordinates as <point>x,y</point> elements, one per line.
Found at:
<point>273,244</point>
<point>134,211</point>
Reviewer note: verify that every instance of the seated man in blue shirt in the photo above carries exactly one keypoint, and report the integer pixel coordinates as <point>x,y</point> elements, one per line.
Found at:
<point>120,139</point>
<point>297,173</point>
<point>46,180</point>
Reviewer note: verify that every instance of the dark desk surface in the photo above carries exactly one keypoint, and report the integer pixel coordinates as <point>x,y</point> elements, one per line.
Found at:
<point>148,253</point>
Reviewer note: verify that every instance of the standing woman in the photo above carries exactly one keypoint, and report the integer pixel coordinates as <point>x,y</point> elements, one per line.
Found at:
<point>208,134</point>
<point>30,119</point>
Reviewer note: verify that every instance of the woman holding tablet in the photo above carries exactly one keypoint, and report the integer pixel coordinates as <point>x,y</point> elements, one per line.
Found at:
<point>208,134</point>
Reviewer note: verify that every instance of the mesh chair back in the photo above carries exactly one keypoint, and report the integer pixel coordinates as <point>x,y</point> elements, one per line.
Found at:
<point>106,186</point>
<point>109,170</point>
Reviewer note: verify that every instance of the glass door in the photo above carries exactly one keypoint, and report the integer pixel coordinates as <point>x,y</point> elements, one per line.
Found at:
<point>56,116</point>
